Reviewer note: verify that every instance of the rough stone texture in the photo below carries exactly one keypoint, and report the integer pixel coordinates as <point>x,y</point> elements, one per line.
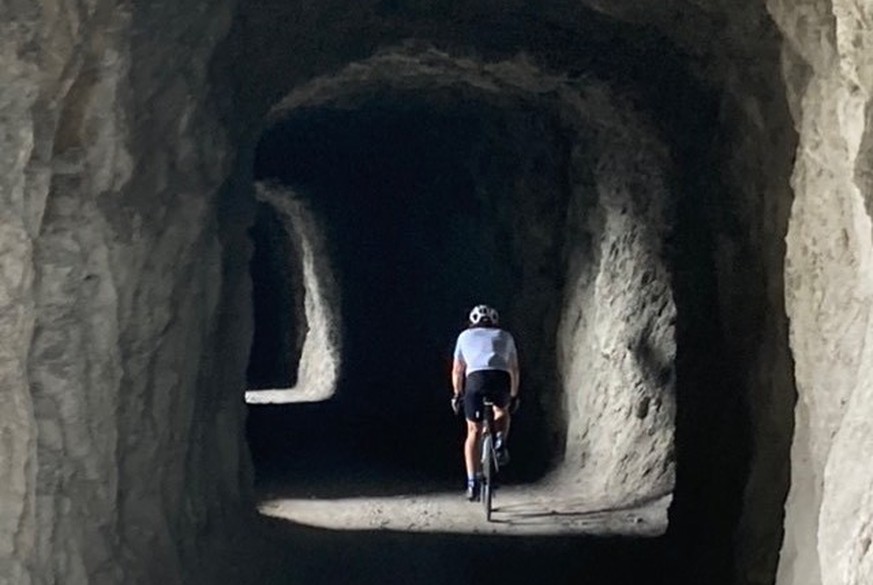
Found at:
<point>321,354</point>
<point>616,339</point>
<point>829,521</point>
<point>123,307</point>
<point>110,262</point>
<point>741,445</point>
<point>18,227</point>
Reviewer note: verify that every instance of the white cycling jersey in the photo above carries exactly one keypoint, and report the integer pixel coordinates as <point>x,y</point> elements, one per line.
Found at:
<point>486,348</point>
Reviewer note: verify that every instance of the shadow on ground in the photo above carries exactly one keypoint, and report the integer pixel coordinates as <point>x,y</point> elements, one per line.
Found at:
<point>327,450</point>
<point>319,451</point>
<point>284,554</point>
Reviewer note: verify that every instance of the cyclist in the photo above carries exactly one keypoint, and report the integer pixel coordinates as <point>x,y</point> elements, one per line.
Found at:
<point>485,366</point>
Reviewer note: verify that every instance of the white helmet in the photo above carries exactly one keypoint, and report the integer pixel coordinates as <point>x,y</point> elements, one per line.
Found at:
<point>483,313</point>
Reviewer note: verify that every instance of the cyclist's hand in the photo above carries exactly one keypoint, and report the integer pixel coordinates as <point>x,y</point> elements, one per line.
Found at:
<point>514,403</point>
<point>457,403</point>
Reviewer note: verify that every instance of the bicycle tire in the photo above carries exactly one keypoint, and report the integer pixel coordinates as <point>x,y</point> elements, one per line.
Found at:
<point>487,476</point>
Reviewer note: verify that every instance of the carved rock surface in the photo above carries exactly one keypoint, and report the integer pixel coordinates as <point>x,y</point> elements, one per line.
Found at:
<point>829,292</point>
<point>111,272</point>
<point>617,343</point>
<point>125,131</point>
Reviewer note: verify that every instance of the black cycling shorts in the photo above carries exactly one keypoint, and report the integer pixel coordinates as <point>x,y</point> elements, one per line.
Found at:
<point>482,384</point>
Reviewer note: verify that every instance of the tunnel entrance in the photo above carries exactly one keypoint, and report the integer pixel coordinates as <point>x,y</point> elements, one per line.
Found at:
<point>436,199</point>
<point>412,203</point>
<point>629,91</point>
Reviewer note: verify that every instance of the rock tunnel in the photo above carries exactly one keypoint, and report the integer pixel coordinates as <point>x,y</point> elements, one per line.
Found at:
<point>204,203</point>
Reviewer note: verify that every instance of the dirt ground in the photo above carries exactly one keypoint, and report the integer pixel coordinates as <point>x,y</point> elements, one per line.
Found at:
<point>336,509</point>
<point>518,510</point>
<point>537,536</point>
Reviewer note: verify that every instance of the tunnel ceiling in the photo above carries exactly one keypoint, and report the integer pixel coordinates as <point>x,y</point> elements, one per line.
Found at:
<point>564,38</point>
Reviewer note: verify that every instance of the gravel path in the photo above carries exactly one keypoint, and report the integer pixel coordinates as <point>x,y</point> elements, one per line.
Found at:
<point>518,511</point>
<point>338,509</point>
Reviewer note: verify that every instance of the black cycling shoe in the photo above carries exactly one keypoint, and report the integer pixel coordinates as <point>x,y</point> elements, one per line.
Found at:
<point>473,491</point>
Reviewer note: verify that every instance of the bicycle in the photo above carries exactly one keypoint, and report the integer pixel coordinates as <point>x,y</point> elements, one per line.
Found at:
<point>488,455</point>
<point>490,465</point>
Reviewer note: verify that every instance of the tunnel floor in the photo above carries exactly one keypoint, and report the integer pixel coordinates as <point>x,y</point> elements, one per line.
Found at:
<point>337,507</point>
<point>319,464</point>
<point>518,510</point>
<point>279,552</point>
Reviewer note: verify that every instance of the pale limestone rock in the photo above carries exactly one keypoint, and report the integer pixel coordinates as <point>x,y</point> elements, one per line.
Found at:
<point>19,91</point>
<point>616,339</point>
<point>90,275</point>
<point>321,355</point>
<point>829,291</point>
<point>110,265</point>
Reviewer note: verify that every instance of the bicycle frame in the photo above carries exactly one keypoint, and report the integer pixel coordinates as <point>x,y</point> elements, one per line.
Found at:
<point>488,458</point>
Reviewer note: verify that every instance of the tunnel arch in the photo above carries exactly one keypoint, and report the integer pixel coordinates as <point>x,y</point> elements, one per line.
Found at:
<point>603,139</point>
<point>694,84</point>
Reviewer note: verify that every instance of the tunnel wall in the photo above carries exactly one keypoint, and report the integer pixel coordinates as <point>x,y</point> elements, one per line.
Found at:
<point>320,355</point>
<point>19,226</point>
<point>734,452</point>
<point>796,123</point>
<point>829,293</point>
<point>119,437</point>
<point>742,460</point>
<point>616,340</point>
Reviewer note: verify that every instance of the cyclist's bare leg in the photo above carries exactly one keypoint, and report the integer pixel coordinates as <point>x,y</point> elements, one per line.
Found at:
<point>501,421</point>
<point>471,448</point>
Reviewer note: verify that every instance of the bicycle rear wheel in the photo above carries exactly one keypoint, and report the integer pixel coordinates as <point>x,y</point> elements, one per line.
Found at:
<point>487,476</point>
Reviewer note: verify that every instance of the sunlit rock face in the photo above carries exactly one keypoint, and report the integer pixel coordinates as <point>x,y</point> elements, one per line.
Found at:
<point>829,521</point>
<point>302,308</point>
<point>126,147</point>
<point>616,341</point>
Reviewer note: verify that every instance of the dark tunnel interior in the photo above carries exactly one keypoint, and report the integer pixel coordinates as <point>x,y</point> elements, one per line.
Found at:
<point>279,312</point>
<point>412,194</point>
<point>410,206</point>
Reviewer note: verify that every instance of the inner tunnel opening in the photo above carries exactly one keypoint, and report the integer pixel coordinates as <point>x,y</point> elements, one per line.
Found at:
<point>431,202</point>
<point>410,199</point>
<point>690,384</point>
<point>585,199</point>
<point>277,280</point>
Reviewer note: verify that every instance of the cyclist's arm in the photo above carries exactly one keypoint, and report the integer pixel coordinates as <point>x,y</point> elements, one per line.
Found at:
<point>459,368</point>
